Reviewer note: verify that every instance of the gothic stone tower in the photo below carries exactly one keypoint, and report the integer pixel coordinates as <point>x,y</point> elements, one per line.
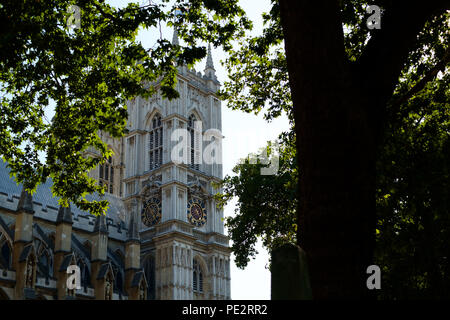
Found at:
<point>184,251</point>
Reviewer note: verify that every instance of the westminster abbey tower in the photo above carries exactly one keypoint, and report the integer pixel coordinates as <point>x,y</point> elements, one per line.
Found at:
<point>163,236</point>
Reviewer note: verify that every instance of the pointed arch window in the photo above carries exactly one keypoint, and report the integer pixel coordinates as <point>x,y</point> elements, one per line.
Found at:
<point>194,143</point>
<point>44,265</point>
<point>85,274</point>
<point>197,277</point>
<point>117,276</point>
<point>155,143</point>
<point>106,174</point>
<point>149,270</point>
<point>5,252</point>
<point>44,259</point>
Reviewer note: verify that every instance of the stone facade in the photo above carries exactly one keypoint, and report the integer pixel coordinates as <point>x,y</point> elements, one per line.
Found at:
<point>163,236</point>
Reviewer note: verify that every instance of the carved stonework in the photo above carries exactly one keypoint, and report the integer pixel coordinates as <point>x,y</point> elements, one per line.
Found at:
<point>197,187</point>
<point>108,288</point>
<point>122,216</point>
<point>142,295</point>
<point>151,186</point>
<point>71,292</point>
<point>29,272</point>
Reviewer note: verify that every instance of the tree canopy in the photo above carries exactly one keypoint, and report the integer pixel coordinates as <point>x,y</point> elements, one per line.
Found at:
<point>88,74</point>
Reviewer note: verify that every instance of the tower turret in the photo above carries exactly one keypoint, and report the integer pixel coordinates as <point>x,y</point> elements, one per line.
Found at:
<point>132,259</point>
<point>99,256</point>
<point>175,40</point>
<point>24,258</point>
<point>63,247</point>
<point>210,72</point>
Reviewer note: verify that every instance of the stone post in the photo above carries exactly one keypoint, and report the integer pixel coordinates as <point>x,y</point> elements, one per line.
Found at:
<point>290,277</point>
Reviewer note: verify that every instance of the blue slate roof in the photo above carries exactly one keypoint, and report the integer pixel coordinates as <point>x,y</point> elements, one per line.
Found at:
<point>44,197</point>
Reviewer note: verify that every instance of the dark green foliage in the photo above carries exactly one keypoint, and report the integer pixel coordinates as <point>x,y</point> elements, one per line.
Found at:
<point>413,206</point>
<point>258,76</point>
<point>413,181</point>
<point>413,222</point>
<point>266,204</point>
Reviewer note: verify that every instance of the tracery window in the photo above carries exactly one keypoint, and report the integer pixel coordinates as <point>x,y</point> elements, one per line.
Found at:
<point>44,259</point>
<point>155,143</point>
<point>106,174</point>
<point>118,280</point>
<point>149,270</point>
<point>44,265</point>
<point>194,143</point>
<point>142,295</point>
<point>197,277</point>
<point>85,276</point>
<point>5,252</point>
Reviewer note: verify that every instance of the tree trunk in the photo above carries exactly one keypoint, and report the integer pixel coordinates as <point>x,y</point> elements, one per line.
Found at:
<point>335,143</point>
<point>339,112</point>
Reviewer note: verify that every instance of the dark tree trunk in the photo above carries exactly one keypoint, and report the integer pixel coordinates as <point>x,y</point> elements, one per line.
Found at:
<point>339,110</point>
<point>335,152</point>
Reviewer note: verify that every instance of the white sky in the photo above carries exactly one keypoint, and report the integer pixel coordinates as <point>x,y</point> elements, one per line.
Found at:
<point>254,281</point>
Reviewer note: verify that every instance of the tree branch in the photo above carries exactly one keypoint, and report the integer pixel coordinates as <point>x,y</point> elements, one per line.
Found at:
<point>377,71</point>
<point>384,56</point>
<point>431,74</point>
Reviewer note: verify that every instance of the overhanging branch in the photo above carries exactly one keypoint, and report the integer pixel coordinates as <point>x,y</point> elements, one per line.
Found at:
<point>431,74</point>
<point>384,56</point>
<point>380,65</point>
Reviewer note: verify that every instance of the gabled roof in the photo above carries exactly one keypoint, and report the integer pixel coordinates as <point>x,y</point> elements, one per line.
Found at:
<point>25,202</point>
<point>64,215</point>
<point>114,258</point>
<point>100,224</point>
<point>26,252</point>
<point>67,261</point>
<point>79,247</point>
<point>137,278</point>
<point>43,235</point>
<point>43,196</point>
<point>6,228</point>
<point>104,271</point>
